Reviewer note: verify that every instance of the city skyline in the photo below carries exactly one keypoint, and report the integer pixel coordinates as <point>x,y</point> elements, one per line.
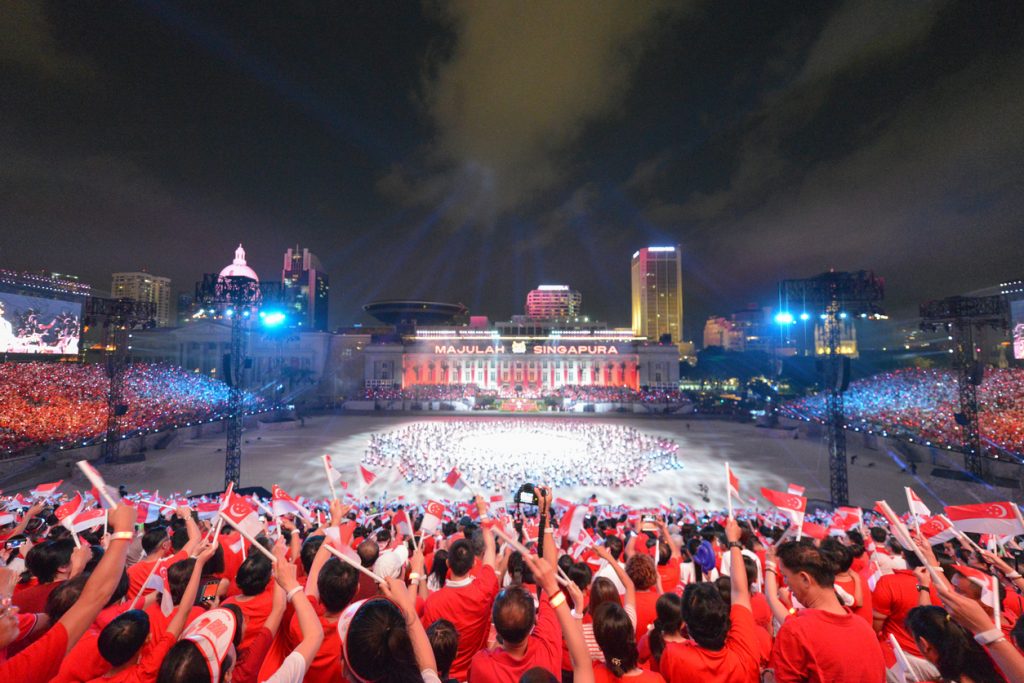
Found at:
<point>771,142</point>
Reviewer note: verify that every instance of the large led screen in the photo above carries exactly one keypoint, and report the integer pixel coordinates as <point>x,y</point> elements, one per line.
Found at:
<point>29,324</point>
<point>1017,317</point>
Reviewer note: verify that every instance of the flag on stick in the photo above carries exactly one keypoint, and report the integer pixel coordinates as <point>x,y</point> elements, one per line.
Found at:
<point>732,483</point>
<point>104,492</point>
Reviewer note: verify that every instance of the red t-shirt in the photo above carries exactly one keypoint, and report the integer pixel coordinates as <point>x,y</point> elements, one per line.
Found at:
<point>158,622</point>
<point>148,666</point>
<point>670,574</point>
<point>850,586</point>
<point>646,611</point>
<point>761,611</point>
<point>32,600</point>
<point>326,665</point>
<point>39,662</point>
<point>603,675</point>
<point>256,610</point>
<point>736,662</point>
<point>543,649</point>
<point>467,604</point>
<point>894,596</point>
<point>821,647</point>
<point>139,572</point>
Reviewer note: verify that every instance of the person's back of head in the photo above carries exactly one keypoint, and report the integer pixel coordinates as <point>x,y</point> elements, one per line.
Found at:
<point>513,614</point>
<point>601,591</point>
<point>309,550</point>
<point>802,557</point>
<point>538,674</point>
<point>178,539</point>
<point>669,619</point>
<point>368,552</point>
<point>444,641</point>
<point>724,586</point>
<point>46,559</point>
<point>460,558</point>
<point>664,553</point>
<point>706,615</point>
<point>581,574</point>
<point>121,639</point>
<point>878,534</point>
<point>153,538</point>
<point>63,597</point>
<point>184,663</point>
<point>337,584</point>
<point>616,636</point>
<point>614,546</point>
<point>642,571</point>
<point>476,539</point>
<point>376,644</point>
<point>254,574</point>
<point>951,648</point>
<point>838,554</point>
<point>178,575</point>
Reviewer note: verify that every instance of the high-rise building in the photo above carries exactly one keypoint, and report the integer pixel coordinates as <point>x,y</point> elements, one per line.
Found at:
<point>143,286</point>
<point>305,289</point>
<point>553,302</point>
<point>657,293</point>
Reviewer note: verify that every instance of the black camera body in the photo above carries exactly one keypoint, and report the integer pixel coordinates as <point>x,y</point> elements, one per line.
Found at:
<point>526,495</point>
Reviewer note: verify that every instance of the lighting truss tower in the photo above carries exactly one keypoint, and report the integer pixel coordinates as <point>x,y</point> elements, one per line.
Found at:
<point>118,316</point>
<point>837,296</point>
<point>238,299</point>
<point>960,316</point>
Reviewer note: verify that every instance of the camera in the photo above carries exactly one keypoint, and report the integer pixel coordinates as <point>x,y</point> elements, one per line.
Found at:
<point>526,495</point>
<point>649,523</point>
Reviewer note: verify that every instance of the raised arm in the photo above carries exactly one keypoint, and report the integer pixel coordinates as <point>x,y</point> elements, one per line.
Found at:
<point>740,591</point>
<point>191,528</point>
<point>771,586</point>
<point>548,542</point>
<point>489,554</point>
<point>309,623</point>
<point>204,551</point>
<point>544,574</point>
<point>396,591</point>
<point>669,541</point>
<point>605,554</point>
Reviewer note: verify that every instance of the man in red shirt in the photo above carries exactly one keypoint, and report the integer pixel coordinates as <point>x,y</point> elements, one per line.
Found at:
<point>724,645</point>
<point>50,563</point>
<point>158,547</point>
<point>257,598</point>
<point>824,642</point>
<point>465,599</point>
<point>894,596</point>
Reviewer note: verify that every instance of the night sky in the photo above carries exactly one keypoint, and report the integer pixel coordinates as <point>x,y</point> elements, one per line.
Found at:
<point>469,151</point>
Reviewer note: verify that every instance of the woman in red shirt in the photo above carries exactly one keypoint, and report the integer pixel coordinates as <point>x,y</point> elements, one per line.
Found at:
<point>616,636</point>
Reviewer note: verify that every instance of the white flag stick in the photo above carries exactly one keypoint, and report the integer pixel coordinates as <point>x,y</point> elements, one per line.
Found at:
<point>159,505</point>
<point>330,479</point>
<point>516,545</point>
<point>97,482</point>
<point>964,538</point>
<point>352,563</point>
<point>229,522</point>
<point>913,513</point>
<point>728,488</point>
<point>995,601</point>
<point>902,663</point>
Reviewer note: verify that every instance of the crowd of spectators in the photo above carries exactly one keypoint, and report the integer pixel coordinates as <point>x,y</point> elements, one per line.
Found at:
<point>395,592</point>
<point>45,404</point>
<point>922,405</point>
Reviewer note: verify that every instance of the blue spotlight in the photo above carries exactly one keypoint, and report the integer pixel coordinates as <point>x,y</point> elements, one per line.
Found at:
<point>273,318</point>
<point>805,316</point>
<point>784,318</point>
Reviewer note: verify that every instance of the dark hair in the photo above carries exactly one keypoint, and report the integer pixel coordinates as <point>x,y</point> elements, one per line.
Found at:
<point>439,568</point>
<point>616,636</point>
<point>121,639</point>
<point>460,557</point>
<point>368,552</point>
<point>642,570</point>
<point>254,574</point>
<point>337,584</point>
<point>614,545</point>
<point>377,645</point>
<point>46,559</point>
<point>153,538</point>
<point>178,575</point>
<point>538,674</point>
<point>581,574</point>
<point>215,565</point>
<point>513,614</point>
<point>64,596</point>
<point>959,655</point>
<point>804,557</point>
<point>724,586</point>
<point>706,615</point>
<point>669,609</point>
<point>444,641</point>
<point>1017,634</point>
<point>601,591</point>
<point>184,663</point>
<point>838,554</point>
<point>878,534</point>
<point>310,547</point>
<point>179,537</point>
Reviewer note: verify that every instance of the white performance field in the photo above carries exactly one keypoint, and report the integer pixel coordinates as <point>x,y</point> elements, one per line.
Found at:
<point>759,457</point>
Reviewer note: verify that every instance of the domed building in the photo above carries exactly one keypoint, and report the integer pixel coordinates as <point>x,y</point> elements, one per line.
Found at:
<point>238,267</point>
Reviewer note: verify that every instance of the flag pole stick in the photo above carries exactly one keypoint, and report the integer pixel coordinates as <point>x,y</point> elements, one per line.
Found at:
<point>728,488</point>
<point>913,513</point>
<point>249,538</point>
<point>330,479</point>
<point>352,563</point>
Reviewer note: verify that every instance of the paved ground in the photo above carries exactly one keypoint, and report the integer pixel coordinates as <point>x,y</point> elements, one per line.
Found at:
<point>759,457</point>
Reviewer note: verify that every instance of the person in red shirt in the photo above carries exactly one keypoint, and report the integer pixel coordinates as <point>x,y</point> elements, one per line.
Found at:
<point>894,596</point>
<point>126,643</point>
<point>724,646</point>
<point>616,637</point>
<point>156,543</point>
<point>257,598</point>
<point>824,642</point>
<point>50,562</point>
<point>851,583</point>
<point>642,571</point>
<point>41,661</point>
<point>466,597</point>
<point>666,629</point>
<point>949,646</point>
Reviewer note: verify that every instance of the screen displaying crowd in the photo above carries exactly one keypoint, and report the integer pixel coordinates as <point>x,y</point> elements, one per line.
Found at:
<point>176,590</point>
<point>922,404</point>
<point>46,404</point>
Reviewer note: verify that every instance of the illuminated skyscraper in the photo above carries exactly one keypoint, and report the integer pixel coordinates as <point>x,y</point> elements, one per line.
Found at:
<point>657,288</point>
<point>305,289</point>
<point>142,286</point>
<point>553,302</point>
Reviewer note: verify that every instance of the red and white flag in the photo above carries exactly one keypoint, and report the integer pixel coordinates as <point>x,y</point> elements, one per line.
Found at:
<point>572,522</point>
<point>283,504</point>
<point>367,475</point>
<point>937,530</point>
<point>402,523</point>
<point>433,513</point>
<point>146,512</point>
<point>46,490</point>
<point>86,520</point>
<point>241,515</point>
<point>987,518</point>
<point>66,512</point>
<point>207,510</point>
<point>847,518</point>
<point>989,587</point>
<point>106,495</point>
<point>916,505</point>
<point>733,482</point>
<point>454,479</point>
<point>795,489</point>
<point>791,505</point>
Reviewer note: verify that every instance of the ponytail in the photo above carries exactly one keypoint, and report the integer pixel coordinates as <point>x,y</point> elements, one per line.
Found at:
<point>669,608</point>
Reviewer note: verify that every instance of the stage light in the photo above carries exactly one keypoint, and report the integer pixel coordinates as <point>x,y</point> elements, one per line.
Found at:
<point>272,319</point>
<point>784,318</point>
<point>842,315</point>
<point>805,316</point>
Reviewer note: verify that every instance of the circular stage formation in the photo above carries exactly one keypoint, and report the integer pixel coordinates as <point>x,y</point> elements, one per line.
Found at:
<point>501,454</point>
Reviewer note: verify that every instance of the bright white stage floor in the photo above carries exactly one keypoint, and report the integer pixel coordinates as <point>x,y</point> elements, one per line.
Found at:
<point>291,459</point>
